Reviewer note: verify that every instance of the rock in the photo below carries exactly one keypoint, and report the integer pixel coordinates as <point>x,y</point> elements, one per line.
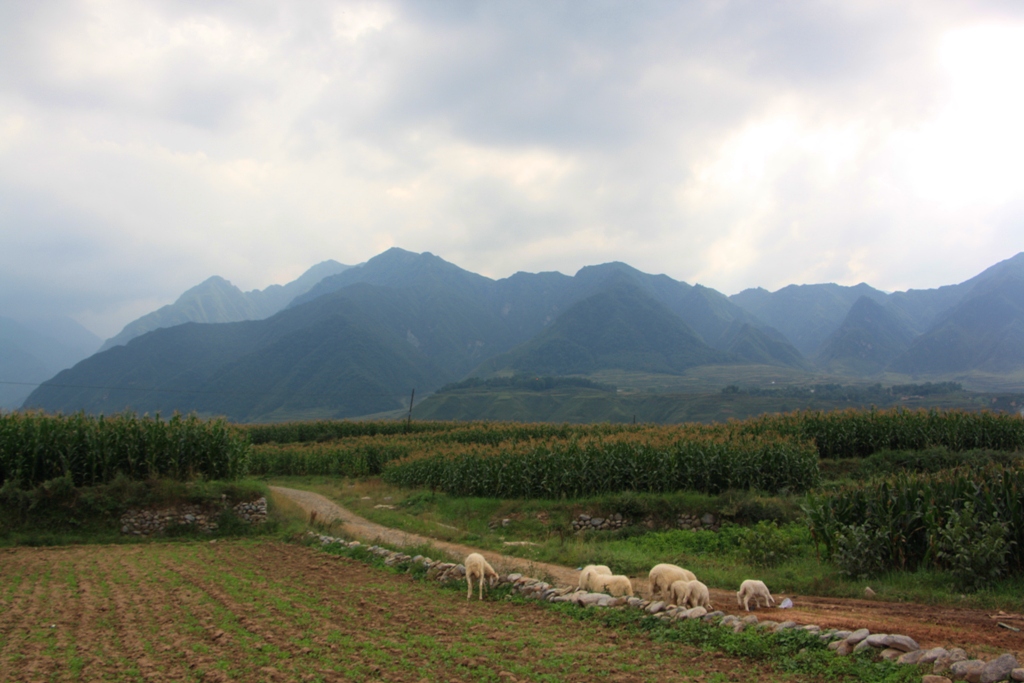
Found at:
<point>707,519</point>
<point>944,662</point>
<point>841,635</point>
<point>655,607</point>
<point>751,619</point>
<point>868,593</point>
<point>634,601</point>
<point>767,624</point>
<point>811,628</point>
<point>857,636</point>
<point>696,613</point>
<point>738,627</point>
<point>861,646</point>
<point>834,645</point>
<point>968,670</point>
<point>890,655</point>
<point>586,599</point>
<point>910,657</point>
<point>844,648</point>
<point>932,678</point>
<point>1017,675</point>
<point>929,656</point>
<point>905,643</point>
<point>783,626</point>
<point>999,668</point>
<point>514,577</point>
<point>877,640</point>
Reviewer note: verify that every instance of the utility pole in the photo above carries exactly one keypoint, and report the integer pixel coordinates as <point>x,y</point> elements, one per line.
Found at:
<point>408,420</point>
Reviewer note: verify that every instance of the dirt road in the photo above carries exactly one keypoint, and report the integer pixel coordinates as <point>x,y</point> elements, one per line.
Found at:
<point>976,630</point>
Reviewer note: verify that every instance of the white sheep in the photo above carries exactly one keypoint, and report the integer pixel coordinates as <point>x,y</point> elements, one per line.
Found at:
<point>695,594</point>
<point>751,588</point>
<point>615,586</point>
<point>477,567</point>
<point>591,570</point>
<point>664,575</point>
<point>677,592</point>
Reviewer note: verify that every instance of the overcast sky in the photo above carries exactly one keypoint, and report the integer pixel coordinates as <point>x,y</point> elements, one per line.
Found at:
<point>147,145</point>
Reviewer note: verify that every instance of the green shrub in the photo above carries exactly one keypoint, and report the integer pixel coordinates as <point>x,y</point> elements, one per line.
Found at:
<point>766,545</point>
<point>861,551</point>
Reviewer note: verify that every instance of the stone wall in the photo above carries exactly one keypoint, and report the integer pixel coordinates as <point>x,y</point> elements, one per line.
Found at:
<point>585,522</point>
<point>149,521</point>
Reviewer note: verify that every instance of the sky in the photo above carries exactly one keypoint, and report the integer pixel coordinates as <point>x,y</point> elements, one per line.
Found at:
<point>147,145</point>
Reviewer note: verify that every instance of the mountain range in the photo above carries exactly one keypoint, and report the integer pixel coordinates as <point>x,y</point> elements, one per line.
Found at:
<point>32,351</point>
<point>357,340</point>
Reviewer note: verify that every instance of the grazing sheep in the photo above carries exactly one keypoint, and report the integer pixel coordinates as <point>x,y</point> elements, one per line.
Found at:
<point>591,570</point>
<point>696,594</point>
<point>664,575</point>
<point>752,588</point>
<point>477,567</point>
<point>677,592</point>
<point>615,586</point>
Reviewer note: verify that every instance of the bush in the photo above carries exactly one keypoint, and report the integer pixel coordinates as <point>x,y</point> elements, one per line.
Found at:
<point>766,545</point>
<point>861,551</point>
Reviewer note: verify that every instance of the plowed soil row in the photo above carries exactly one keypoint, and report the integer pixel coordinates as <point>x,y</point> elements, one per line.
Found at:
<point>270,611</point>
<point>931,626</point>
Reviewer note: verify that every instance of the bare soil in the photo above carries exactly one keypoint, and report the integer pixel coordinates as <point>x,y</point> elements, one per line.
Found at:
<point>931,626</point>
<point>270,611</point>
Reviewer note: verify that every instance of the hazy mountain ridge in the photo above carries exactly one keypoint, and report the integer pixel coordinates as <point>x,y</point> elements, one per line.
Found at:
<point>358,341</point>
<point>216,300</point>
<point>33,351</point>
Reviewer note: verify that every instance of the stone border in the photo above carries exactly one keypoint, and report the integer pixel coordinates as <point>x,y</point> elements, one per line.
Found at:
<point>685,521</point>
<point>148,521</point>
<point>898,648</point>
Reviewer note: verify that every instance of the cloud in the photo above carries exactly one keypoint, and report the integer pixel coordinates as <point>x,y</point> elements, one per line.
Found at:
<point>146,145</point>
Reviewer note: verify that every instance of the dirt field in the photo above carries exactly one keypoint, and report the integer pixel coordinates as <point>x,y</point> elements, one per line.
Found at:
<point>975,630</point>
<point>254,611</point>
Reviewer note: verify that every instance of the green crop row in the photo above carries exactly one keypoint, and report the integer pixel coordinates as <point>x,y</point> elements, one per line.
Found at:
<point>92,450</point>
<point>572,470</point>
<point>859,433</point>
<point>360,460</point>
<point>442,432</point>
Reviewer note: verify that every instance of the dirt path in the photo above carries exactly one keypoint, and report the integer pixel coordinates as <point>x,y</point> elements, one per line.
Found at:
<point>929,625</point>
<point>358,527</point>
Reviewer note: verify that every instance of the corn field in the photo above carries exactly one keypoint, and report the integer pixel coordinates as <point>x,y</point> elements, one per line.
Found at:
<point>93,450</point>
<point>575,469</point>
<point>859,433</point>
<point>366,456</point>
<point>909,511</point>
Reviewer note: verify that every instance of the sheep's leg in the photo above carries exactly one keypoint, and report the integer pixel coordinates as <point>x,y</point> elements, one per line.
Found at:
<point>469,580</point>
<point>481,586</point>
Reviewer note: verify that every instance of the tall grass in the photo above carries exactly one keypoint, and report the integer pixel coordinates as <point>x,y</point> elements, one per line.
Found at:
<point>93,450</point>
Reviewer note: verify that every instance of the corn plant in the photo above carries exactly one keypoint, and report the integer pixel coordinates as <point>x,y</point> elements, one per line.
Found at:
<point>92,450</point>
